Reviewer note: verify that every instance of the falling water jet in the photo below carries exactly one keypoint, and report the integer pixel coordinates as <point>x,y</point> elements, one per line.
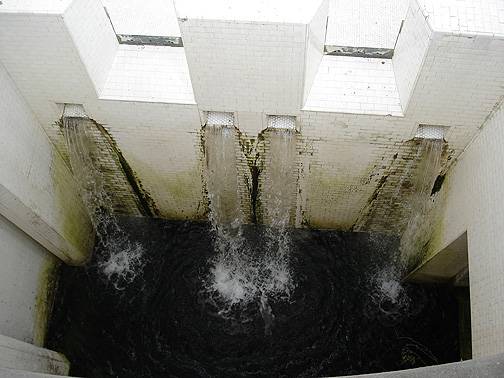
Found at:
<point>387,288</point>
<point>420,223</point>
<point>123,260</point>
<point>243,271</point>
<point>279,195</point>
<point>229,276</point>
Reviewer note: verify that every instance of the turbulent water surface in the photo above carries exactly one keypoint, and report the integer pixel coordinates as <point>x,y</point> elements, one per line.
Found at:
<point>346,313</point>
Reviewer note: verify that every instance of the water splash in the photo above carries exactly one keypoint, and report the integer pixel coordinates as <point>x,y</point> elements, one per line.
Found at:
<point>386,290</point>
<point>388,293</point>
<point>243,270</point>
<point>122,260</point>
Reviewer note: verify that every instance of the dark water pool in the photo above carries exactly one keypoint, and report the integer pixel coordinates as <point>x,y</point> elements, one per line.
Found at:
<point>347,315</point>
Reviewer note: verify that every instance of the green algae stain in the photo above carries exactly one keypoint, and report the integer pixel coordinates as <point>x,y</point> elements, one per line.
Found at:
<point>433,240</point>
<point>437,237</point>
<point>178,195</point>
<point>146,205</point>
<point>74,225</point>
<point>183,190</point>
<point>317,214</point>
<point>47,283</point>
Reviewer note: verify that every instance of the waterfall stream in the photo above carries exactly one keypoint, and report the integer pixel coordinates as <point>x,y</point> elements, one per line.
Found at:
<point>121,261</point>
<point>243,271</point>
<point>388,291</point>
<point>419,227</point>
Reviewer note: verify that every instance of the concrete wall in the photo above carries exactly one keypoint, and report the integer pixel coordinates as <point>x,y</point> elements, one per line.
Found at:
<point>473,195</point>
<point>37,190</point>
<point>25,281</point>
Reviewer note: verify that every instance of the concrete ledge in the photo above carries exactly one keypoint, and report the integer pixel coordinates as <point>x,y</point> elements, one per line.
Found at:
<point>17,355</point>
<point>490,367</point>
<point>54,239</point>
<point>9,373</point>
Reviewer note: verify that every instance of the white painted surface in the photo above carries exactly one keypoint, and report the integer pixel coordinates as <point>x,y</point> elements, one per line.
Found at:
<point>365,23</point>
<point>355,85</point>
<point>23,262</point>
<point>474,204</point>
<point>22,356</point>
<point>140,17</point>
<point>149,74</point>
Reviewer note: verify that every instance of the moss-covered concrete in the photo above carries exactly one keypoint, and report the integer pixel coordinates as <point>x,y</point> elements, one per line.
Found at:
<point>73,223</point>
<point>47,283</point>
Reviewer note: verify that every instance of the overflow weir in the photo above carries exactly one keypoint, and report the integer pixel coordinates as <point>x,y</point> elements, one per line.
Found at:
<point>229,297</point>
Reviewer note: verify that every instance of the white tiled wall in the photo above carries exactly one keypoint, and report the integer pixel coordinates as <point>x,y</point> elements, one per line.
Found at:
<point>474,204</point>
<point>245,66</point>
<point>26,41</point>
<point>149,74</point>
<point>336,184</point>
<point>35,6</point>
<point>410,51</point>
<point>316,31</point>
<point>355,85</point>
<point>365,23</point>
<point>466,16</point>
<point>93,37</point>
<point>252,69</point>
<point>139,17</point>
<point>262,11</point>
<point>461,80</point>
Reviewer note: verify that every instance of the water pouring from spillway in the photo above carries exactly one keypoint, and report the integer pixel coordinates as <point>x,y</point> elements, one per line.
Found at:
<point>122,261</point>
<point>245,271</point>
<point>413,194</point>
<point>419,227</point>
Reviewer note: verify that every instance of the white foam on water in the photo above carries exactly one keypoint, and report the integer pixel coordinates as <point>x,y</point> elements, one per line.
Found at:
<point>241,274</point>
<point>122,265</point>
<point>243,271</point>
<point>387,291</point>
